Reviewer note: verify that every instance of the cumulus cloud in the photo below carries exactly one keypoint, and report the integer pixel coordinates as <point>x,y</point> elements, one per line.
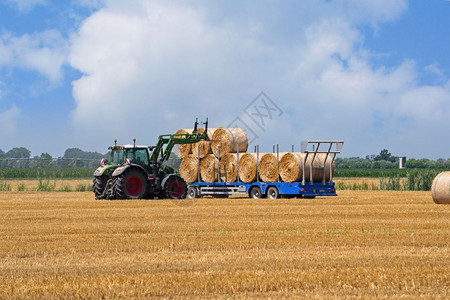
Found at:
<point>150,67</point>
<point>45,52</point>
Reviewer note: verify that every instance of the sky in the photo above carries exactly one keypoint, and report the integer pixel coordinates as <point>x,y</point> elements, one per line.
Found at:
<point>373,73</point>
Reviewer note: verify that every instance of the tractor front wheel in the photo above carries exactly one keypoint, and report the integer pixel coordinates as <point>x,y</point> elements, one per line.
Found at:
<point>99,186</point>
<point>132,184</point>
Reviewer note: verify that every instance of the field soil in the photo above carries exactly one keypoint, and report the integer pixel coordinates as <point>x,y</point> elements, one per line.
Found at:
<point>32,184</point>
<point>368,244</point>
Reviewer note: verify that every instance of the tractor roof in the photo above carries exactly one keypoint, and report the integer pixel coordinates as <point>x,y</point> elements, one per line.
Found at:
<point>128,146</point>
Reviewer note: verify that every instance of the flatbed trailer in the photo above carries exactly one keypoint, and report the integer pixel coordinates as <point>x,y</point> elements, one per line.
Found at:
<point>273,190</point>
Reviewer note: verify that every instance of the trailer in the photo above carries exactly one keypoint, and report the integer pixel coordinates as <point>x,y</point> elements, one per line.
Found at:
<point>278,189</point>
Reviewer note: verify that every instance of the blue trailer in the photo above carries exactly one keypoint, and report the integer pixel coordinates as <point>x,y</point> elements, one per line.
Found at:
<point>272,190</point>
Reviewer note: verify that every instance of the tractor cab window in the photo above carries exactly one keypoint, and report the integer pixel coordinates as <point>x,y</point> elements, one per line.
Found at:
<point>138,156</point>
<point>117,156</point>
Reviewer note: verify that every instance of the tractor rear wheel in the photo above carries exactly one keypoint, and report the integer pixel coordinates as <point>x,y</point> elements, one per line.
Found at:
<point>132,184</point>
<point>175,188</point>
<point>99,186</point>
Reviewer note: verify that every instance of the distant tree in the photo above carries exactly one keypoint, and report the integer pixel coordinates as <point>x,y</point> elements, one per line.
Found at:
<point>45,160</point>
<point>385,155</point>
<point>19,152</point>
<point>2,153</point>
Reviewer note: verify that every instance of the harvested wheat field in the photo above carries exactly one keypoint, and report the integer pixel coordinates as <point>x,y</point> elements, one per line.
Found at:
<point>360,244</point>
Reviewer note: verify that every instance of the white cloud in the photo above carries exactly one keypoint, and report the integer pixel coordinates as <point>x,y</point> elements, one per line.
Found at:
<point>8,122</point>
<point>45,52</point>
<point>151,67</point>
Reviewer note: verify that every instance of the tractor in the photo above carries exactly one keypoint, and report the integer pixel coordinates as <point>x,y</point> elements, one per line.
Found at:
<point>136,172</point>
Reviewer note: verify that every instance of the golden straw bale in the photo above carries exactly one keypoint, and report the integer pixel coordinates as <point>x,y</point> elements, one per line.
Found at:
<point>268,167</point>
<point>208,168</point>
<point>291,167</point>
<point>229,140</point>
<point>184,149</point>
<point>189,168</point>
<point>202,148</point>
<point>440,189</point>
<point>247,166</point>
<point>228,167</point>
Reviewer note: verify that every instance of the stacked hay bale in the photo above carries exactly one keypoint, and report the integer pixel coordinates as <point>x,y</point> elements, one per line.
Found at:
<point>189,168</point>
<point>184,149</point>
<point>440,189</point>
<point>247,166</point>
<point>228,167</point>
<point>208,168</point>
<point>291,168</point>
<point>230,140</point>
<point>268,167</point>
<point>288,167</point>
<point>203,148</point>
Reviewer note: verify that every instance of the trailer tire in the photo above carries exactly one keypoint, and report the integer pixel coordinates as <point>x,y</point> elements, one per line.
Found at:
<point>273,193</point>
<point>255,192</point>
<point>192,193</point>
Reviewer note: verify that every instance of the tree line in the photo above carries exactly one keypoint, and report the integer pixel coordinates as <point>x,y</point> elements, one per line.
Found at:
<point>20,157</point>
<point>385,160</point>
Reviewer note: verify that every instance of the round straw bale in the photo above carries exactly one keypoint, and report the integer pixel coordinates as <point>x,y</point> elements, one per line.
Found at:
<point>189,168</point>
<point>208,168</point>
<point>247,166</point>
<point>268,167</point>
<point>440,189</point>
<point>184,149</point>
<point>291,167</point>
<point>202,148</point>
<point>229,140</point>
<point>228,167</point>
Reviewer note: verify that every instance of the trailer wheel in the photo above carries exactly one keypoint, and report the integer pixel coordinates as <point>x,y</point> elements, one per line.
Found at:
<point>272,193</point>
<point>192,192</point>
<point>255,192</point>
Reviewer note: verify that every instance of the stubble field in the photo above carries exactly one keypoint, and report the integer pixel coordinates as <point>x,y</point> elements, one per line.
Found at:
<point>359,244</point>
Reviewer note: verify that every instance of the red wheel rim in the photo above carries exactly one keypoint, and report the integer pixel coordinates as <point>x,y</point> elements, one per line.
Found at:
<point>176,189</point>
<point>134,186</point>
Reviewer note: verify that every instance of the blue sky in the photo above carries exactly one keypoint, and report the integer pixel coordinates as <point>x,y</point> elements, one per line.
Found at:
<point>374,73</point>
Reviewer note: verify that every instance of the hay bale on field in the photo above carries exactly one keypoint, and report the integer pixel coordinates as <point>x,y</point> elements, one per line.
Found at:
<point>228,167</point>
<point>291,167</point>
<point>189,168</point>
<point>184,149</point>
<point>208,168</point>
<point>229,140</point>
<point>247,166</point>
<point>440,189</point>
<point>268,167</point>
<point>202,148</point>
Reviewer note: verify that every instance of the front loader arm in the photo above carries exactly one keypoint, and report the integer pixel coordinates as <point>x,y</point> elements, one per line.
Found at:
<point>175,139</point>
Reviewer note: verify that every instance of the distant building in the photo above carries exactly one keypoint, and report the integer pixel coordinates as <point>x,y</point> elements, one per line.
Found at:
<point>402,162</point>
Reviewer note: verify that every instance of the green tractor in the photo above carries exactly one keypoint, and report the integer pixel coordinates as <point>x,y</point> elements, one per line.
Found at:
<point>136,172</point>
